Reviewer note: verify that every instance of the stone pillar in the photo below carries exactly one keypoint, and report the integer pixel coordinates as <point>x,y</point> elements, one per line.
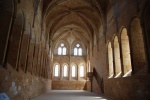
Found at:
<point>44,65</point>
<point>69,72</point>
<point>78,73</point>
<point>61,72</point>
<point>40,69</point>
<point>30,55</point>
<point>24,51</point>
<point>35,58</point>
<point>39,61</point>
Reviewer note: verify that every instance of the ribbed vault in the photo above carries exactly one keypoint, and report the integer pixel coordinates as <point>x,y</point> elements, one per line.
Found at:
<point>79,17</point>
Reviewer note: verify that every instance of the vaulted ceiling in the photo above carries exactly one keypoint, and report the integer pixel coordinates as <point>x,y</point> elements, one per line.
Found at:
<point>79,17</point>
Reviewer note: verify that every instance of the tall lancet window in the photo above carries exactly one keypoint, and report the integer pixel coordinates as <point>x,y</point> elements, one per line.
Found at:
<point>65,71</point>
<point>62,49</point>
<point>73,70</point>
<point>81,74</point>
<point>77,50</point>
<point>56,71</point>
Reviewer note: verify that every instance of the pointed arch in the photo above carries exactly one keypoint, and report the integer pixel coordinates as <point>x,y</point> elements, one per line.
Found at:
<point>82,71</point>
<point>62,49</point>
<point>56,70</point>
<point>77,49</point>
<point>65,70</point>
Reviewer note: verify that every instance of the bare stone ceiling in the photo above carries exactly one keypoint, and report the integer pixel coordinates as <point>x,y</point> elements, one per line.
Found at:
<point>79,17</point>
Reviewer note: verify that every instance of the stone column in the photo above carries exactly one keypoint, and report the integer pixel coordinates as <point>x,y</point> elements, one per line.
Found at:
<point>39,60</point>
<point>78,73</point>
<point>30,55</point>
<point>24,51</point>
<point>35,58</point>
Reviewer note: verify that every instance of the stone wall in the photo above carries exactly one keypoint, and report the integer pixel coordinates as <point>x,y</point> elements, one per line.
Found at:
<point>95,87</point>
<point>128,88</point>
<point>69,85</point>
<point>20,85</point>
<point>69,60</point>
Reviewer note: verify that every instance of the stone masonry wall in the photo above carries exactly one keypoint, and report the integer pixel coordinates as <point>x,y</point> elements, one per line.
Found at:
<point>69,85</point>
<point>21,86</point>
<point>128,88</point>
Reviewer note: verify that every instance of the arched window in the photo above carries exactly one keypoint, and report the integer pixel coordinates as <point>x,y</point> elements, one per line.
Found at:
<point>56,71</point>
<point>75,51</point>
<point>62,49</point>
<point>110,60</point>
<point>126,53</point>
<point>78,50</point>
<point>73,71</point>
<point>65,71</point>
<point>81,74</point>
<point>117,57</point>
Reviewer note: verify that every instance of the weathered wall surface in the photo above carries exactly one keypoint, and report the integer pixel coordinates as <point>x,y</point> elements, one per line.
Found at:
<point>69,85</point>
<point>21,86</point>
<point>128,88</point>
<point>69,59</point>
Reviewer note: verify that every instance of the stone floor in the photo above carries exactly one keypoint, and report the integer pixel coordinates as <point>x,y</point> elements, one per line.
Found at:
<point>70,95</point>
